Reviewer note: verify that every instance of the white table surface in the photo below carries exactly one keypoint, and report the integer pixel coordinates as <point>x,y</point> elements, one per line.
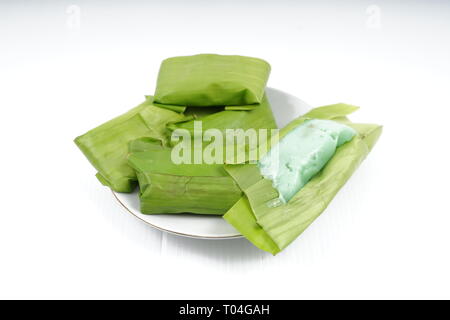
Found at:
<point>67,66</point>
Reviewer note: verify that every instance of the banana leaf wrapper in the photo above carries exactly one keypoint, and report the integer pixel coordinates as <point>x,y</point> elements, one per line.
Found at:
<point>166,187</point>
<point>271,225</point>
<point>220,118</point>
<point>106,147</point>
<point>205,80</point>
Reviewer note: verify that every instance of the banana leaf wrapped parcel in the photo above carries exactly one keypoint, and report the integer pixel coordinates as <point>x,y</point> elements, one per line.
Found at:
<point>222,119</point>
<point>166,187</point>
<point>106,147</point>
<point>315,155</point>
<point>201,188</point>
<point>205,80</point>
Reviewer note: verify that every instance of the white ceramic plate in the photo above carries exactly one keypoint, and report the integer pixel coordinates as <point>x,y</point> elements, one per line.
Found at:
<point>285,108</point>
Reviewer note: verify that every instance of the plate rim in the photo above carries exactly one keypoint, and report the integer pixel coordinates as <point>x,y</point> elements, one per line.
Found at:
<point>177,233</point>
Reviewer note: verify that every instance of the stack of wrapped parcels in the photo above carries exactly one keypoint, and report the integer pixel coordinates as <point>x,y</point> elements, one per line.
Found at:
<point>207,143</point>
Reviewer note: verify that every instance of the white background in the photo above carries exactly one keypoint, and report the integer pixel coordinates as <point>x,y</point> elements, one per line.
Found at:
<point>67,66</point>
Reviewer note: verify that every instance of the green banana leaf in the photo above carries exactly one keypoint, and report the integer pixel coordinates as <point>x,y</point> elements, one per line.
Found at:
<point>272,225</point>
<point>106,147</point>
<point>166,187</point>
<point>205,80</point>
<point>222,119</point>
